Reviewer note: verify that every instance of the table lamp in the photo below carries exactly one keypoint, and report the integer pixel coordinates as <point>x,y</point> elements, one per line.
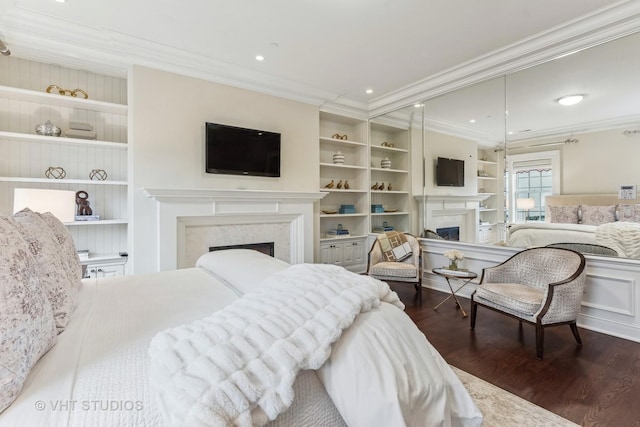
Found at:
<point>525,204</point>
<point>61,203</point>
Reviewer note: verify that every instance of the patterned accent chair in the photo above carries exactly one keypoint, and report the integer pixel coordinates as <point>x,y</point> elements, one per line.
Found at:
<point>542,286</point>
<point>407,270</point>
<point>586,248</point>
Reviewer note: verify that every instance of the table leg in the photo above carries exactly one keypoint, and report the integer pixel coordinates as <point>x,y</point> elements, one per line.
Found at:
<point>453,294</point>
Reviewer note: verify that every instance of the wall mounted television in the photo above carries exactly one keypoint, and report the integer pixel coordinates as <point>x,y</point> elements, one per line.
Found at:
<point>234,150</point>
<point>449,172</point>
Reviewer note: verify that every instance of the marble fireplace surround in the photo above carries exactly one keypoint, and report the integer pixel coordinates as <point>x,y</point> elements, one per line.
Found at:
<point>440,211</point>
<point>189,220</point>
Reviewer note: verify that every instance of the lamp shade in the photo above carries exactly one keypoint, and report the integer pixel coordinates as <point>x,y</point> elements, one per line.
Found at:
<point>61,203</point>
<point>525,204</point>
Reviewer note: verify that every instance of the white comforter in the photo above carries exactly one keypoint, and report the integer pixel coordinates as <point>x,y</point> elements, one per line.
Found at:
<point>545,233</point>
<point>624,237</point>
<point>236,367</point>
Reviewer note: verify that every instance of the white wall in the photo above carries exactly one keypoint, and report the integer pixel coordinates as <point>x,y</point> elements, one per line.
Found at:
<point>167,116</point>
<point>441,145</point>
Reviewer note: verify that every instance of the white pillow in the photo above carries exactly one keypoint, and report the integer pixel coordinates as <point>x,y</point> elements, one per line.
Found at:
<point>242,269</point>
<point>27,327</point>
<point>383,372</point>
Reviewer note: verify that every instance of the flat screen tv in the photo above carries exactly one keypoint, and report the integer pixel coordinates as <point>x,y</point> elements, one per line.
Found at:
<point>450,172</point>
<point>238,151</point>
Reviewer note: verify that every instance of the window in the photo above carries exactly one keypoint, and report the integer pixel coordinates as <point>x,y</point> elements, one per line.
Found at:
<point>532,177</point>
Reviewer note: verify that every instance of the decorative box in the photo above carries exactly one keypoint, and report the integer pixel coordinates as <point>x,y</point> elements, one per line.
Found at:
<point>347,209</point>
<point>377,209</point>
<point>383,229</point>
<point>338,233</point>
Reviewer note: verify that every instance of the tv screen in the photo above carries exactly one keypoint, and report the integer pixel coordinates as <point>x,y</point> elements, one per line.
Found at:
<point>450,172</point>
<point>238,151</point>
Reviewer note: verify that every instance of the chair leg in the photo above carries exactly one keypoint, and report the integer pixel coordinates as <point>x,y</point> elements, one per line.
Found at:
<point>419,292</point>
<point>576,334</point>
<point>539,340</point>
<point>474,311</point>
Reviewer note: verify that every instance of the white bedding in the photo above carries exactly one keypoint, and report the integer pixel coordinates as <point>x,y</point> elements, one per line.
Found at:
<point>545,233</point>
<point>98,372</point>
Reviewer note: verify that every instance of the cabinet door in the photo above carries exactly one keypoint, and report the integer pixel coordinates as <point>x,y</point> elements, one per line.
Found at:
<point>332,253</point>
<point>108,270</point>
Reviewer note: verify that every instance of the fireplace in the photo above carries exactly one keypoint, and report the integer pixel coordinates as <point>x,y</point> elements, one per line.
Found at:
<point>449,233</point>
<point>266,248</point>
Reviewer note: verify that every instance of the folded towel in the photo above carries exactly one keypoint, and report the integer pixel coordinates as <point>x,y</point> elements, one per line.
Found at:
<point>82,134</point>
<point>80,126</point>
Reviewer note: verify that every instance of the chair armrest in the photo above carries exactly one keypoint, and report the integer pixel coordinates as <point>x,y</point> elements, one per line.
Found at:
<point>501,273</point>
<point>562,301</point>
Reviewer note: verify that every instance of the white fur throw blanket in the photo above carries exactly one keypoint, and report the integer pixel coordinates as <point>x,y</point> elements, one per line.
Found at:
<point>624,237</point>
<point>237,366</point>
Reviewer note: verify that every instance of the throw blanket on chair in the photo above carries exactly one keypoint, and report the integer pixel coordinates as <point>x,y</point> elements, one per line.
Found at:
<point>237,366</point>
<point>395,246</point>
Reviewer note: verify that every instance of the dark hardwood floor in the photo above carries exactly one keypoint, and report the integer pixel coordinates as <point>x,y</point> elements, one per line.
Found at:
<point>597,384</point>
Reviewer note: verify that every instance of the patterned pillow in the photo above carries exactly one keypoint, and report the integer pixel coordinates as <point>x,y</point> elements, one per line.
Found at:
<point>597,215</point>
<point>51,271</point>
<point>68,251</point>
<point>629,213</point>
<point>27,327</point>
<point>564,214</point>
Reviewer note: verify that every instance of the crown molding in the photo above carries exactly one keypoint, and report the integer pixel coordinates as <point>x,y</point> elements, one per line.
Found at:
<point>618,20</point>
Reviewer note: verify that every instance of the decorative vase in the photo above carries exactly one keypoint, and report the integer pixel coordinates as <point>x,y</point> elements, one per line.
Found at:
<point>48,129</point>
<point>338,158</point>
<point>385,163</point>
<point>453,264</point>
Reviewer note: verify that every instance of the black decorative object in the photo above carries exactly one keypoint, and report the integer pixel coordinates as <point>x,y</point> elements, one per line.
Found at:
<point>82,202</point>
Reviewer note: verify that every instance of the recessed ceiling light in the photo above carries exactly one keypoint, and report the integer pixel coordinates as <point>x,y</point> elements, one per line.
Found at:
<point>570,99</point>
<point>369,91</point>
<point>472,121</point>
<point>60,1</point>
<point>418,105</point>
<point>259,58</point>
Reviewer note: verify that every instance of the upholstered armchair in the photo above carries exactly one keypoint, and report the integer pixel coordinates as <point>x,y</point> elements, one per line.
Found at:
<point>408,270</point>
<point>586,248</point>
<point>542,286</point>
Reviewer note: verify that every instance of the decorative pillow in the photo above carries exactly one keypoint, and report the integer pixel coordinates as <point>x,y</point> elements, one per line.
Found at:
<point>629,213</point>
<point>564,214</point>
<point>51,272</point>
<point>597,215</point>
<point>67,249</point>
<point>27,328</point>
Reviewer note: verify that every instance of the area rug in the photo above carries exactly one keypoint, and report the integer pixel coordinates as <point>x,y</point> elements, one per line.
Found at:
<point>501,408</point>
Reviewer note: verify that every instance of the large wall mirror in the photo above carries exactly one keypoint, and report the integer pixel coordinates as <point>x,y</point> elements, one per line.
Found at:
<point>538,172</point>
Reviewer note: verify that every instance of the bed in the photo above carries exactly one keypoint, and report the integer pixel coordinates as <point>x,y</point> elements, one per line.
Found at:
<point>132,349</point>
<point>601,222</point>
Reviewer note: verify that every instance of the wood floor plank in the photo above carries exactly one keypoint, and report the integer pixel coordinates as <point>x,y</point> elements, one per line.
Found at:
<point>596,384</point>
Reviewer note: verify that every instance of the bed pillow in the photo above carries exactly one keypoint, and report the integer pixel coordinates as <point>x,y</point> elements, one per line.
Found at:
<point>564,214</point>
<point>70,258</point>
<point>597,215</point>
<point>52,274</point>
<point>241,269</point>
<point>27,327</point>
<point>629,213</point>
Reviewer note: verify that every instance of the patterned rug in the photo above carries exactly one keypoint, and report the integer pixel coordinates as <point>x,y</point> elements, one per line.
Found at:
<point>501,408</point>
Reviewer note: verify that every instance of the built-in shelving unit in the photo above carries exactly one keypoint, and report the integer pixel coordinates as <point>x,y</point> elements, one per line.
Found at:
<point>389,143</point>
<point>26,155</point>
<point>344,136</point>
<point>488,186</point>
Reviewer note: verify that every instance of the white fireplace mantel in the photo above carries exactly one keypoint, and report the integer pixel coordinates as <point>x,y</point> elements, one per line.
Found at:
<point>229,207</point>
<point>462,211</point>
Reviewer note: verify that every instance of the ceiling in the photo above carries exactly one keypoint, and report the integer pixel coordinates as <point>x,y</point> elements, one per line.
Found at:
<point>326,52</point>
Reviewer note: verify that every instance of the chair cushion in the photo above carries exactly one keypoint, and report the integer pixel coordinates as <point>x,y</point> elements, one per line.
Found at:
<point>393,269</point>
<point>523,299</point>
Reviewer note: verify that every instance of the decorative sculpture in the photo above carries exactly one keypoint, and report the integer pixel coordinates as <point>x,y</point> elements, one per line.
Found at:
<point>68,92</point>
<point>82,202</point>
<point>98,175</point>
<point>55,172</point>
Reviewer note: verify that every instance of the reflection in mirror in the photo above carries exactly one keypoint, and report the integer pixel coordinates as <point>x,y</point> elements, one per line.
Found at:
<point>464,132</point>
<point>574,160</point>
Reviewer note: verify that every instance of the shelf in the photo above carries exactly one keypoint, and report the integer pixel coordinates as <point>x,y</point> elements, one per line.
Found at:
<point>389,213</point>
<point>98,258</point>
<point>486,194</point>
<point>343,166</point>
<point>61,100</point>
<point>488,225</point>
<point>388,192</point>
<point>487,177</point>
<point>341,190</point>
<point>332,239</point>
<point>487,162</point>
<point>99,222</point>
<point>60,181</point>
<point>393,149</point>
<point>339,142</point>
<point>339,215</point>
<point>62,140</point>
<point>389,170</point>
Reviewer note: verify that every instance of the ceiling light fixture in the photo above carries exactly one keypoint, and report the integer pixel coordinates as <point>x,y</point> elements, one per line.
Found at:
<point>369,91</point>
<point>60,1</point>
<point>570,99</point>
<point>472,121</point>
<point>259,58</point>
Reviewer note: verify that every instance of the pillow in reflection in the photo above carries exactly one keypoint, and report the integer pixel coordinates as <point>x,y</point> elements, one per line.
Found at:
<point>597,215</point>
<point>564,214</point>
<point>629,213</point>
